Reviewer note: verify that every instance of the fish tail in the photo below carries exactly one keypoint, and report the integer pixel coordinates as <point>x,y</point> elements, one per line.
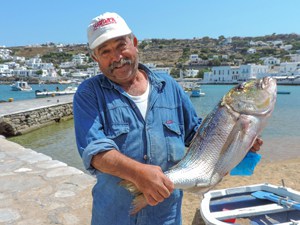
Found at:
<point>138,203</point>
<point>139,200</point>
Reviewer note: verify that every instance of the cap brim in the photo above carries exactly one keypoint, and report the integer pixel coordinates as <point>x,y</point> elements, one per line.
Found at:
<point>111,35</point>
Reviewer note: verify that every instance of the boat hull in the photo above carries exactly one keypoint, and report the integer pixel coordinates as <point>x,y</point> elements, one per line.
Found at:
<point>219,207</point>
<point>197,93</point>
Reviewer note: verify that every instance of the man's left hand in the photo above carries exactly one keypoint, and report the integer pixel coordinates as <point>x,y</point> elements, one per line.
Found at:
<point>257,144</point>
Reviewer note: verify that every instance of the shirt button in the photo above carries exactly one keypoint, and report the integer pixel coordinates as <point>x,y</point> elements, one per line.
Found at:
<point>145,157</point>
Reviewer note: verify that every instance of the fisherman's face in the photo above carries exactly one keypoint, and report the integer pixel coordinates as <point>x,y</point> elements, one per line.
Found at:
<point>118,59</point>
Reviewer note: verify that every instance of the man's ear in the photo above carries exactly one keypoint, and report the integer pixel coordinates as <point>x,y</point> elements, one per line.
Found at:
<point>135,41</point>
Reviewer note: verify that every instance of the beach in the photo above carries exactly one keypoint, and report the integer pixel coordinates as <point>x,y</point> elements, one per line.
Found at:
<point>265,172</point>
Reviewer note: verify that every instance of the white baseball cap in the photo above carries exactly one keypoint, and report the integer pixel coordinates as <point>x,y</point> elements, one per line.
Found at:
<point>105,27</point>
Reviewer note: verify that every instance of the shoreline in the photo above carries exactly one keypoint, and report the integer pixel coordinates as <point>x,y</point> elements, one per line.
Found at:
<point>265,172</point>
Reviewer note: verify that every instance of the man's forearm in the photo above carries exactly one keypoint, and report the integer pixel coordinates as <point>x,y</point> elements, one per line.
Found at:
<point>115,163</point>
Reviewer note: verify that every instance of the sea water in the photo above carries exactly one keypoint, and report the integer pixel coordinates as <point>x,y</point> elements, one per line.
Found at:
<point>281,136</point>
<point>6,93</point>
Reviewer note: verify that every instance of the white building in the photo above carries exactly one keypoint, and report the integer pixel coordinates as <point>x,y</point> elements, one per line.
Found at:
<point>270,61</point>
<point>234,74</point>
<point>295,57</point>
<point>19,58</point>
<point>251,51</point>
<point>194,58</point>
<point>32,62</point>
<point>289,67</point>
<point>67,65</point>
<point>5,54</point>
<point>190,73</point>
<point>159,70</point>
<point>286,47</point>
<point>79,59</point>
<point>5,71</point>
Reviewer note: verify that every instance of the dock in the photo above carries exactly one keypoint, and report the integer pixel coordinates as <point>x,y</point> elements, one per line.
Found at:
<point>38,190</point>
<point>20,117</point>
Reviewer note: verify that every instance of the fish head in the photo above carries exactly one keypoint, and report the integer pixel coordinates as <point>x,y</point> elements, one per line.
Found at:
<point>254,97</point>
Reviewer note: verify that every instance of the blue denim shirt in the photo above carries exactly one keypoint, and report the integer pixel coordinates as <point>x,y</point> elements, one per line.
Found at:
<point>106,118</point>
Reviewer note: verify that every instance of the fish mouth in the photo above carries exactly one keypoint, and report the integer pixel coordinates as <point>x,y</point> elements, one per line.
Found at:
<point>255,98</point>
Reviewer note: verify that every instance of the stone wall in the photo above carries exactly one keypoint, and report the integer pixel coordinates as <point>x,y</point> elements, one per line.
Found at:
<point>26,121</point>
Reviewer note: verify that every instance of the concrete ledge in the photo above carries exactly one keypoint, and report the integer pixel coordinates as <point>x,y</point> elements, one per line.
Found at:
<point>24,116</point>
<point>38,190</point>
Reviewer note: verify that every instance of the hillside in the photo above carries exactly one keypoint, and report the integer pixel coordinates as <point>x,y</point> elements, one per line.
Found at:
<point>176,52</point>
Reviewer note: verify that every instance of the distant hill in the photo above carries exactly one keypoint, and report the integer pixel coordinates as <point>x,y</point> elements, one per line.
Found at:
<point>176,52</point>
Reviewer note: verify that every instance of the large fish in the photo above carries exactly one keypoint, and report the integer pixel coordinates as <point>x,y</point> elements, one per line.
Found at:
<point>222,140</point>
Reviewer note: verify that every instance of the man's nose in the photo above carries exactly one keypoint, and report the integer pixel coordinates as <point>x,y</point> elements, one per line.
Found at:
<point>116,55</point>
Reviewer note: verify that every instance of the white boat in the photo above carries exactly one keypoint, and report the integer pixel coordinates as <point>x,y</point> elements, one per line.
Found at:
<point>70,90</point>
<point>254,204</point>
<point>197,92</point>
<point>20,86</point>
<point>292,80</point>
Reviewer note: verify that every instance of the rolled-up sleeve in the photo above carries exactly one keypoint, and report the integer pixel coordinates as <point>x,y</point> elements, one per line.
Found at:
<point>90,138</point>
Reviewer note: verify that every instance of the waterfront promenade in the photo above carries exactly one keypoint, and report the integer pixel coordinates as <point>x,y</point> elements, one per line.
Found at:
<point>14,107</point>
<point>24,116</point>
<point>38,190</point>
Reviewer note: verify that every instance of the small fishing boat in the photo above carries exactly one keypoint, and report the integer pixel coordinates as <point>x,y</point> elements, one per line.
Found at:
<point>254,205</point>
<point>196,92</point>
<point>283,92</point>
<point>21,86</point>
<point>68,91</point>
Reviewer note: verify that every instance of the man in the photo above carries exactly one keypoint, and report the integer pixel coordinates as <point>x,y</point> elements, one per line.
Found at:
<point>130,124</point>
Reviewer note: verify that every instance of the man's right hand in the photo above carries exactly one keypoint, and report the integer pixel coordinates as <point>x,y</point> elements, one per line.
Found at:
<point>153,183</point>
<point>149,179</point>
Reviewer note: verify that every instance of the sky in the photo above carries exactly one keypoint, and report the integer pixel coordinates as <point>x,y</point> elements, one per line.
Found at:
<point>29,22</point>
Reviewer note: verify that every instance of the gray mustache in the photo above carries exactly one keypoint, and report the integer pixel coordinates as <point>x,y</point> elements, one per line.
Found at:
<point>120,63</point>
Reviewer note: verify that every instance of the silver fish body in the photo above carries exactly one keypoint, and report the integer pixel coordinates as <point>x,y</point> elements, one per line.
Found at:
<point>224,137</point>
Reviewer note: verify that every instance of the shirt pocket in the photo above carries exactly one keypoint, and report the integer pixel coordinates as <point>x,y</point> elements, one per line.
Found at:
<point>174,141</point>
<point>118,133</point>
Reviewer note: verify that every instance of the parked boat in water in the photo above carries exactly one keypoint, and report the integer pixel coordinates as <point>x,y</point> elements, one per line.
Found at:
<point>67,91</point>
<point>21,86</point>
<point>197,92</point>
<point>286,80</point>
<point>253,204</point>
<point>283,92</point>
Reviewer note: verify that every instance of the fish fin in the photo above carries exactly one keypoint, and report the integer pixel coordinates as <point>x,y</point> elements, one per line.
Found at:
<point>138,203</point>
<point>203,184</point>
<point>129,186</point>
<point>139,200</point>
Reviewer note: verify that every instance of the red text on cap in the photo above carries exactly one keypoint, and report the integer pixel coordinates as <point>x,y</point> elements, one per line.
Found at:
<point>104,22</point>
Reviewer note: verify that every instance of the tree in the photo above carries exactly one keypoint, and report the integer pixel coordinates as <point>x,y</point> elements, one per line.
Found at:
<point>39,72</point>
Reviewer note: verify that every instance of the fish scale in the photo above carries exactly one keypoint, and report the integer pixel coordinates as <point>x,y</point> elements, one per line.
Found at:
<point>193,171</point>
<point>222,140</point>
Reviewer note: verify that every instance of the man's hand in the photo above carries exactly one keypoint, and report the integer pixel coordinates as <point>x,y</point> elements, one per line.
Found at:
<point>154,184</point>
<point>257,144</point>
<point>149,179</point>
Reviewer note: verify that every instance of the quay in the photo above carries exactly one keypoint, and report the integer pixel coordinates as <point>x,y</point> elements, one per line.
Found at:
<point>20,117</point>
<point>38,190</point>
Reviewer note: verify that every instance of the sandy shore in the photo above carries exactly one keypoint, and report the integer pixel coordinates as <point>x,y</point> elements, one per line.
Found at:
<point>265,172</point>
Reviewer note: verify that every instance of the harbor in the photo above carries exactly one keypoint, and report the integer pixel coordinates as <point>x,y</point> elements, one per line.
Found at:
<point>65,198</point>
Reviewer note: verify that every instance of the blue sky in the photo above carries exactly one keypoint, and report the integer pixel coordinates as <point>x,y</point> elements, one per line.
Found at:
<point>24,22</point>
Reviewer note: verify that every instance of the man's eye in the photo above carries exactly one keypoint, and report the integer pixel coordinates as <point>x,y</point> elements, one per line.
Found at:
<point>103,53</point>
